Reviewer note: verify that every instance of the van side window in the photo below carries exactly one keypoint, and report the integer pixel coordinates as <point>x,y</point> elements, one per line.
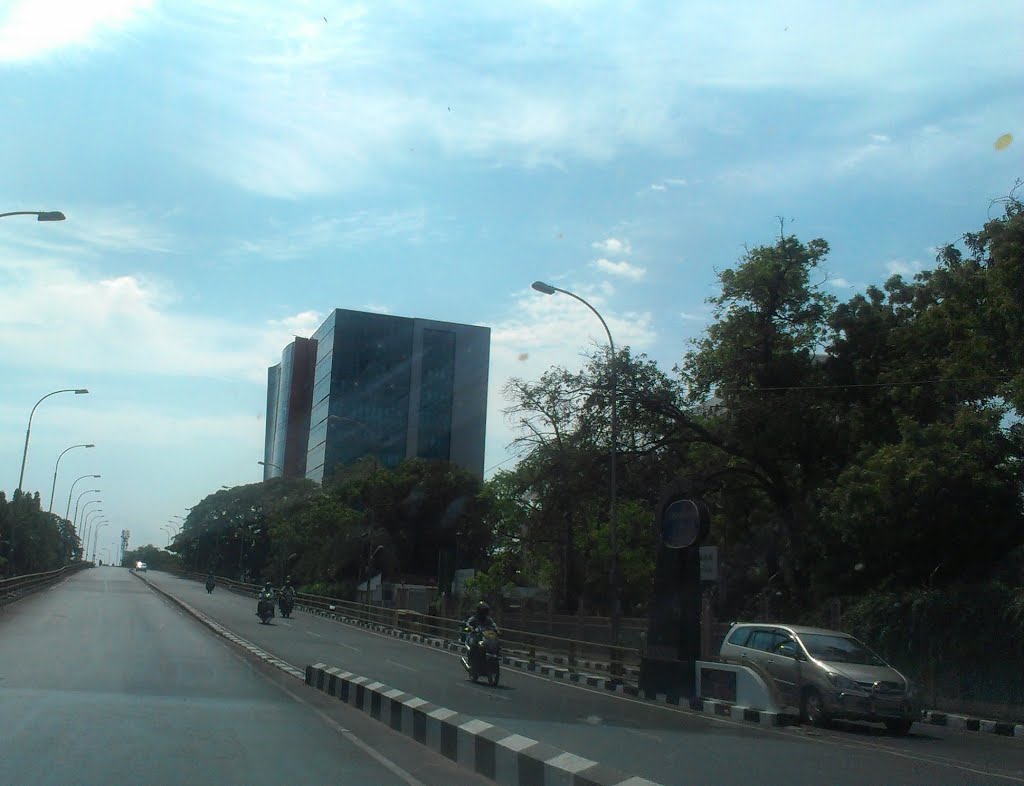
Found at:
<point>739,637</point>
<point>762,640</point>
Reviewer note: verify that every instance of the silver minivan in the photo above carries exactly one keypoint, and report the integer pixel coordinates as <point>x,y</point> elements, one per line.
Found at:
<point>825,674</point>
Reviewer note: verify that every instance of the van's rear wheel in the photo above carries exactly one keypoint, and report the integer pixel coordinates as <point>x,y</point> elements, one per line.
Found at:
<point>812,709</point>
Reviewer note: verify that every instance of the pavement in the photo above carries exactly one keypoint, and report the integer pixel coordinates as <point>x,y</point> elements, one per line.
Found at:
<point>103,681</point>
<point>665,744</point>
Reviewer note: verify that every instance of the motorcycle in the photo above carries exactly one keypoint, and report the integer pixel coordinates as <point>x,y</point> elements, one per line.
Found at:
<point>210,584</point>
<point>482,657</point>
<point>265,610</point>
<point>286,603</point>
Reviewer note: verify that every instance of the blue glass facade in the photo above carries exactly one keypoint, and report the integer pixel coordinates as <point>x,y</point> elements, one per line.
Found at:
<point>289,387</point>
<point>437,395</point>
<point>390,387</point>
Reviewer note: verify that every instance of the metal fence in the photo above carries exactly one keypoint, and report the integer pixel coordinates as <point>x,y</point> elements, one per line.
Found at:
<point>532,645</point>
<point>15,588</point>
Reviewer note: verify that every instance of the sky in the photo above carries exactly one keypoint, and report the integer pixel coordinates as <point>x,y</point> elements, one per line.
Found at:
<point>233,171</point>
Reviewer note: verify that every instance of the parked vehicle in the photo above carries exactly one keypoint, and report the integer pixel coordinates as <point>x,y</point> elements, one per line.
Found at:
<point>825,674</point>
<point>482,656</point>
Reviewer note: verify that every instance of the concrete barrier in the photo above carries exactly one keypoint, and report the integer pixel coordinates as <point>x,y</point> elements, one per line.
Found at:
<point>737,692</point>
<point>505,757</point>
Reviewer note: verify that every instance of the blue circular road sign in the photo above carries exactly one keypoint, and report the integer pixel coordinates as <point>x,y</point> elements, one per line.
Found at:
<point>681,524</point>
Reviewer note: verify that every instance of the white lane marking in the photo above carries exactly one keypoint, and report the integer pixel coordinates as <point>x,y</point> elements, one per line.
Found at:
<point>310,633</point>
<point>380,758</point>
<point>400,665</point>
<point>354,649</point>
<point>753,727</point>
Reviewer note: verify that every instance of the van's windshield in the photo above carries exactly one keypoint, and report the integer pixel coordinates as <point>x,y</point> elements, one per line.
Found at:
<point>839,649</point>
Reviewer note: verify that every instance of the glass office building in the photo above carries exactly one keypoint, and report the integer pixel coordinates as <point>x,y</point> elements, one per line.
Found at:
<point>390,387</point>
<point>289,386</point>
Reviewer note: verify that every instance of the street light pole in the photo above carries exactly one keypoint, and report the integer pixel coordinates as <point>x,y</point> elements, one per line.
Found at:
<point>85,525</point>
<point>28,431</point>
<point>95,537</point>
<point>41,215</point>
<point>53,488</point>
<point>613,570</point>
<point>74,521</point>
<point>67,513</point>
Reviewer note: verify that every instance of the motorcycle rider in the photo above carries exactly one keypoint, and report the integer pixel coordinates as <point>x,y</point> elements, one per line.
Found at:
<point>211,581</point>
<point>287,595</point>
<point>287,590</point>
<point>479,619</point>
<point>267,593</point>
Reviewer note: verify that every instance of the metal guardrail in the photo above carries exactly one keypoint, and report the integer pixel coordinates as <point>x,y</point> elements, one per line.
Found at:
<point>534,647</point>
<point>17,587</point>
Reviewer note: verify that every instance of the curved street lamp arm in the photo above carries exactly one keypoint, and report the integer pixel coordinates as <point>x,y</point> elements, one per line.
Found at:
<point>24,454</point>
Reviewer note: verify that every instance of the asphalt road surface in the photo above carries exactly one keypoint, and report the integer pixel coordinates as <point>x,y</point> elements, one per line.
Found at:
<point>102,681</point>
<point>670,746</point>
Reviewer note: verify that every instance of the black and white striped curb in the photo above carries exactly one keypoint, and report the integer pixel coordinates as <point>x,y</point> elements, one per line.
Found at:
<point>505,757</point>
<point>968,723</point>
<point>707,706</point>
<point>220,630</point>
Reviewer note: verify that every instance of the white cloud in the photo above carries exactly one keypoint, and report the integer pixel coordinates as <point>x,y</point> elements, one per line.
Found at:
<point>613,246</point>
<point>839,283</point>
<point>623,268</point>
<point>542,331</point>
<point>56,316</point>
<point>94,231</point>
<point>658,187</point>
<point>297,106</point>
<point>377,308</point>
<point>901,267</point>
<point>692,317</point>
<point>30,29</point>
<point>295,240</point>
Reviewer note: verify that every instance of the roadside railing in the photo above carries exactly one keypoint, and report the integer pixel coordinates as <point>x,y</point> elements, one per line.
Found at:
<point>573,654</point>
<point>17,587</point>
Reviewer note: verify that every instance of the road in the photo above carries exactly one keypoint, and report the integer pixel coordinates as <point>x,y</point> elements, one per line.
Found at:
<point>103,681</point>
<point>668,745</point>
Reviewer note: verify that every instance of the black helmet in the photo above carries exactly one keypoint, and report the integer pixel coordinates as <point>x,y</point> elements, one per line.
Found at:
<point>482,609</point>
<point>268,585</point>
<point>288,580</point>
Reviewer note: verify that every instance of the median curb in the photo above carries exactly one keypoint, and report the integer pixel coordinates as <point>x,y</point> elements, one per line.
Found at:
<point>220,630</point>
<point>706,706</point>
<point>967,723</point>
<point>496,753</point>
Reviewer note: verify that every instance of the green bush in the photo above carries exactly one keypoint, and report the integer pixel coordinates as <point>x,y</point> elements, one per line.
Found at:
<point>961,642</point>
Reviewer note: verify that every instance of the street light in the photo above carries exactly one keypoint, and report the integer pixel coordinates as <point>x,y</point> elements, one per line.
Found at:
<point>85,524</point>
<point>28,431</point>
<point>67,513</point>
<point>95,536</point>
<point>613,570</point>
<point>270,464</point>
<point>53,488</point>
<point>41,215</point>
<point>74,521</point>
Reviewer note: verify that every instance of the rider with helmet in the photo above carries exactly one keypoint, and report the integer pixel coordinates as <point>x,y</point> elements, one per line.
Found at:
<point>480,619</point>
